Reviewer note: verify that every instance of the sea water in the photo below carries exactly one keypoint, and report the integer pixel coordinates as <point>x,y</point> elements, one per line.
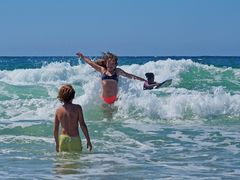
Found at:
<point>189,130</point>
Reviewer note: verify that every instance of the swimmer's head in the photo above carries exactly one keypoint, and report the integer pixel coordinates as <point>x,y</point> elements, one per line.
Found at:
<point>150,76</point>
<point>66,93</point>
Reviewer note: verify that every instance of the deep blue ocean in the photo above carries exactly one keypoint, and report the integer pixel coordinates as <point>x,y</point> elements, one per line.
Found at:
<point>189,130</point>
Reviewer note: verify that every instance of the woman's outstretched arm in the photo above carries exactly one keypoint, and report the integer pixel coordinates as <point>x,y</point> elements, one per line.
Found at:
<point>128,75</point>
<point>90,62</point>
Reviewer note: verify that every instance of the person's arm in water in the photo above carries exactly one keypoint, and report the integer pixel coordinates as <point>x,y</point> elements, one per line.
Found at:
<point>55,130</point>
<point>158,85</point>
<point>151,86</point>
<point>84,128</point>
<point>128,75</point>
<point>91,63</point>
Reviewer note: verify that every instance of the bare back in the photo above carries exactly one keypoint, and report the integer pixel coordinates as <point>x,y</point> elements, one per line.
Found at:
<point>69,117</point>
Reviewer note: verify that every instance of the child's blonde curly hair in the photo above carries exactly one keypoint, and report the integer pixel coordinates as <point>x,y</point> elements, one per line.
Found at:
<point>66,93</point>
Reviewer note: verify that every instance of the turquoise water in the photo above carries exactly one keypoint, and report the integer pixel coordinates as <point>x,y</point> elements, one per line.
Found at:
<point>189,130</point>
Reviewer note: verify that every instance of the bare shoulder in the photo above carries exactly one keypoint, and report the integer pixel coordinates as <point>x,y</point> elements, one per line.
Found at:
<point>78,107</point>
<point>103,69</point>
<point>59,109</point>
<point>79,111</point>
<point>119,71</point>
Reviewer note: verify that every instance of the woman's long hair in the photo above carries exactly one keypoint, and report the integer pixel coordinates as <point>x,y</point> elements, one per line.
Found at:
<point>107,57</point>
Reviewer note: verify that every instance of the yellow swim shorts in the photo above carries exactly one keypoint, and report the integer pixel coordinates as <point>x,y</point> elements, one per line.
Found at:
<point>69,144</point>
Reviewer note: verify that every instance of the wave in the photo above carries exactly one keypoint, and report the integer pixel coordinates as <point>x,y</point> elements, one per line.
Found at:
<point>180,70</point>
<point>198,91</point>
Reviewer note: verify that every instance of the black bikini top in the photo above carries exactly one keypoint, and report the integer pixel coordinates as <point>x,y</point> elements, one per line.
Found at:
<point>113,77</point>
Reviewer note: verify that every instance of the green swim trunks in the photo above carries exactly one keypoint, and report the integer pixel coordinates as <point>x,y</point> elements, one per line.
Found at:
<point>69,144</point>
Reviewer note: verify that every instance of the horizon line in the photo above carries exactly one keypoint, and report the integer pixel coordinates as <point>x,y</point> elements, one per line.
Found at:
<point>123,55</point>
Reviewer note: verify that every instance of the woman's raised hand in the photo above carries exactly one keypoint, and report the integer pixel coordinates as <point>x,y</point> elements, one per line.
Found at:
<point>79,54</point>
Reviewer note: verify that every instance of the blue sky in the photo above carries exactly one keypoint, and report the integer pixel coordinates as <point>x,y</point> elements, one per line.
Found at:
<point>125,27</point>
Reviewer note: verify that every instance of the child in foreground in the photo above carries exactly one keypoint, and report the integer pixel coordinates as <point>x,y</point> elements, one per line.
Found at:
<point>69,115</point>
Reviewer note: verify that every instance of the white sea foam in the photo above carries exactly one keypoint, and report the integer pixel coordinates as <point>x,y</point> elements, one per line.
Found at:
<point>166,103</point>
<point>180,103</point>
<point>7,139</point>
<point>54,73</point>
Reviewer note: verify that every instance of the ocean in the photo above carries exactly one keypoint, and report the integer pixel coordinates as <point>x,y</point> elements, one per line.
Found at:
<point>189,130</point>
